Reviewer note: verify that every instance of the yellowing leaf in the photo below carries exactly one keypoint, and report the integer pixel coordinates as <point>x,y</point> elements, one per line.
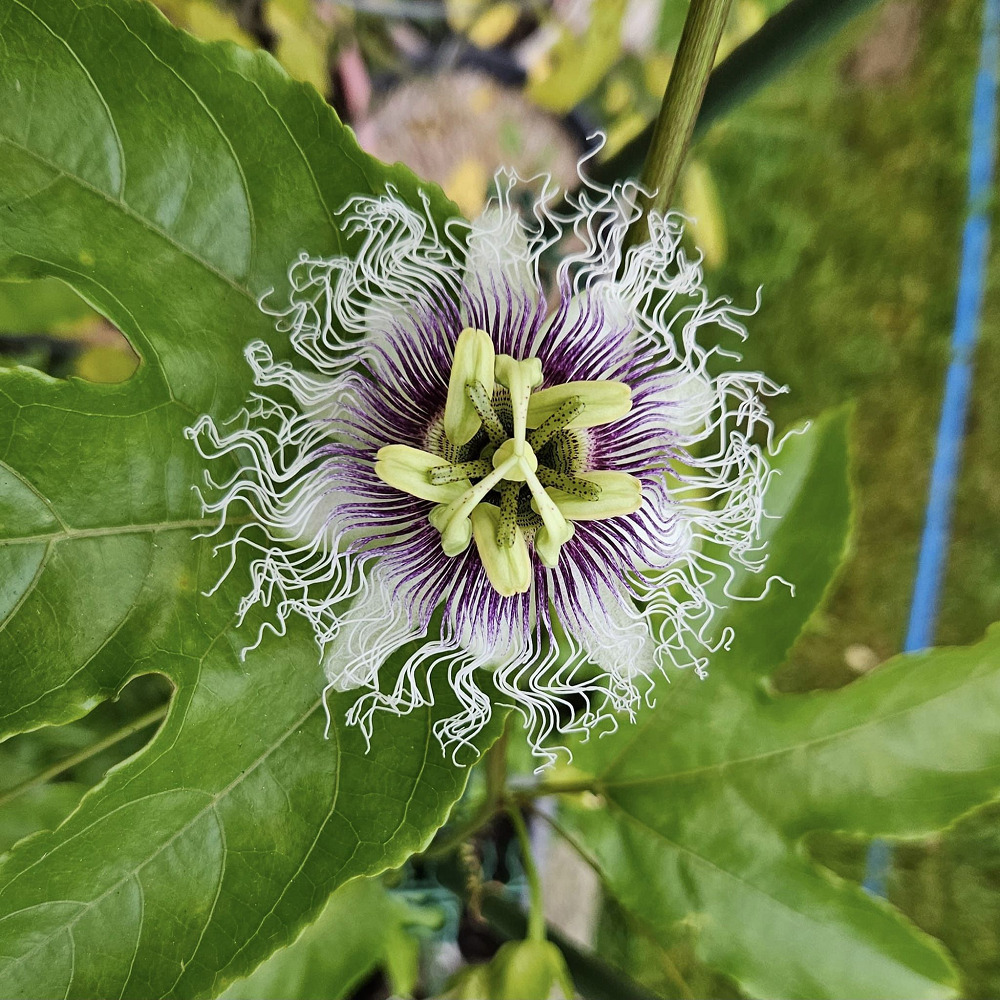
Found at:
<point>495,25</point>
<point>462,13</point>
<point>577,64</point>
<point>747,17</point>
<point>215,24</point>
<point>700,200</point>
<point>466,186</point>
<point>618,96</point>
<point>303,45</point>
<point>105,363</point>
<point>656,73</point>
<point>622,131</point>
<point>203,19</point>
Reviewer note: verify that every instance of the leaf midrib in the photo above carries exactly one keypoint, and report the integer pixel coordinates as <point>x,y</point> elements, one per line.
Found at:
<point>118,200</point>
<point>70,534</point>
<point>132,214</point>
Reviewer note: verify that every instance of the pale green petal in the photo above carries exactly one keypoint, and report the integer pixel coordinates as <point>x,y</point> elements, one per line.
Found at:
<point>620,494</point>
<point>508,567</point>
<point>474,361</point>
<point>603,402</point>
<point>408,469</point>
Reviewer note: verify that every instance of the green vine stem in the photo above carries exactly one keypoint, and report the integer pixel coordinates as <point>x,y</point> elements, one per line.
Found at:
<point>784,39</point>
<point>682,99</point>
<point>536,913</point>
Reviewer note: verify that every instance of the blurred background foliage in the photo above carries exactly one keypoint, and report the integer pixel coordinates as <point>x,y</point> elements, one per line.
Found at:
<point>839,189</point>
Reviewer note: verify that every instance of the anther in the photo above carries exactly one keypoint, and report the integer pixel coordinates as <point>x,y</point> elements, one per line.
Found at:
<point>568,411</point>
<point>507,526</point>
<point>463,470</point>
<point>572,485</point>
<point>492,424</point>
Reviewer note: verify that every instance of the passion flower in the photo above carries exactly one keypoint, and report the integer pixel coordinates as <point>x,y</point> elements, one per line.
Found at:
<point>537,480</point>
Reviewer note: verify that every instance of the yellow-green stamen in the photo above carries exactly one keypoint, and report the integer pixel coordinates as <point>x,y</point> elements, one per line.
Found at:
<point>464,470</point>
<point>574,486</point>
<point>553,424</point>
<point>449,519</point>
<point>483,405</point>
<point>507,528</point>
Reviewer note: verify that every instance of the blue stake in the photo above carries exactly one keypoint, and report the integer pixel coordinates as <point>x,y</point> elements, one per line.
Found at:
<point>954,409</point>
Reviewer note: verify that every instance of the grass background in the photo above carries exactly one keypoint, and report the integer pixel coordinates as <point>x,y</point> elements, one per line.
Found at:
<point>843,187</point>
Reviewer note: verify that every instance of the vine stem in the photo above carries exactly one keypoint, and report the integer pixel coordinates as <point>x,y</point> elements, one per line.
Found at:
<point>783,40</point>
<point>536,913</point>
<point>144,721</point>
<point>541,789</point>
<point>682,99</point>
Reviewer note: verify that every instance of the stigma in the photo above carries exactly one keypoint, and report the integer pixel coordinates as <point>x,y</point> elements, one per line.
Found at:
<point>506,465</point>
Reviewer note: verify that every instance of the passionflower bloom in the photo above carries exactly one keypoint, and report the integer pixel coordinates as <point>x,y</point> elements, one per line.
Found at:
<point>525,484</point>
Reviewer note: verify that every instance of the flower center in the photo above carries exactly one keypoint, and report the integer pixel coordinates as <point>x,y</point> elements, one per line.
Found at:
<point>508,463</point>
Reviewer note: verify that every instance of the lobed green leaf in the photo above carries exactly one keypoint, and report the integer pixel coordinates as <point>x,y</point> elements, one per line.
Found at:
<point>170,183</point>
<point>703,804</point>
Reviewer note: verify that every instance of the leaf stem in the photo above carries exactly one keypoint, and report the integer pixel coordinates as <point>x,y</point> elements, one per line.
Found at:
<point>536,913</point>
<point>679,110</point>
<point>594,977</point>
<point>54,770</point>
<point>543,788</point>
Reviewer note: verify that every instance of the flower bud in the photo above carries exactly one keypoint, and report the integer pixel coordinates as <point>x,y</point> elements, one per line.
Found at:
<point>528,970</point>
<point>520,970</point>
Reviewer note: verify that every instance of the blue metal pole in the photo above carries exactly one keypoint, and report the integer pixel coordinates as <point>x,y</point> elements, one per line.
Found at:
<point>958,382</point>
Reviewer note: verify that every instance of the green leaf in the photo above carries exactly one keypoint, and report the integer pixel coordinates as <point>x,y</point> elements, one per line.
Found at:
<point>170,183</point>
<point>356,933</point>
<point>702,805</point>
<point>41,808</point>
